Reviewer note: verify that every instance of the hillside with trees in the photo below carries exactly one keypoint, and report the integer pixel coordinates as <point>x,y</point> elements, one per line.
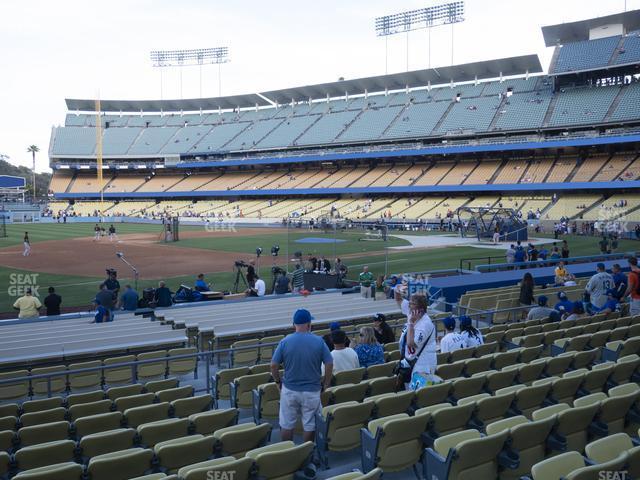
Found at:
<point>42,179</point>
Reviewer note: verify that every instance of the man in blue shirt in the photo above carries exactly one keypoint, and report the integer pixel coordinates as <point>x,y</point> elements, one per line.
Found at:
<point>610,305</point>
<point>564,304</point>
<point>129,299</point>
<point>619,280</point>
<point>520,255</point>
<point>302,353</point>
<point>201,285</point>
<point>543,253</point>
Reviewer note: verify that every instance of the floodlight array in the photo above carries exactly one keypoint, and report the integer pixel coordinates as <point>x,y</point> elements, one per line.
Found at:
<point>198,56</point>
<point>422,18</point>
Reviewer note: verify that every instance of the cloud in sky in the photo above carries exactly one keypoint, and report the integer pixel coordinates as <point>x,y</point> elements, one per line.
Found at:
<point>79,49</point>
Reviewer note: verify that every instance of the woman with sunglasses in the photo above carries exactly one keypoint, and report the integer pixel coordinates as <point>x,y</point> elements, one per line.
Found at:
<point>369,351</point>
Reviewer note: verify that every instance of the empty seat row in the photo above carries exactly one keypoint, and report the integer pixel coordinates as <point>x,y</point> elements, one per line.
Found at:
<point>54,423</point>
<point>96,375</point>
<point>145,435</point>
<point>190,458</point>
<point>575,337</point>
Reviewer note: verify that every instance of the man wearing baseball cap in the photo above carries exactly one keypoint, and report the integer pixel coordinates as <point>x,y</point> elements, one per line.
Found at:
<point>542,311</point>
<point>302,355</point>
<point>598,286</point>
<point>564,304</point>
<point>383,332</point>
<point>452,340</point>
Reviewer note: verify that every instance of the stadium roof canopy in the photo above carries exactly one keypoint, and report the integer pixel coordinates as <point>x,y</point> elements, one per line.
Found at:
<point>579,31</point>
<point>418,78</point>
<point>511,66</point>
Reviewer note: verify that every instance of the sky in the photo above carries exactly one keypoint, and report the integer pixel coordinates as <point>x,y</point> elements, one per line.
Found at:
<point>52,50</point>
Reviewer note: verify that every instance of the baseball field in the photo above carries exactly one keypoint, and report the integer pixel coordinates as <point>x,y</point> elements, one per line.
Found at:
<point>68,257</point>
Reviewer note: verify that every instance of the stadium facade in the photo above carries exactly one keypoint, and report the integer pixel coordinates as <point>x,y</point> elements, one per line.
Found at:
<point>414,145</point>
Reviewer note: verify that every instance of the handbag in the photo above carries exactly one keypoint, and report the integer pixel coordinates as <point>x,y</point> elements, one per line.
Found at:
<point>403,374</point>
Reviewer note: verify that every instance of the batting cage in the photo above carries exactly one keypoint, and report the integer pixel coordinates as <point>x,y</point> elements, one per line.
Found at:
<point>483,223</point>
<point>170,230</point>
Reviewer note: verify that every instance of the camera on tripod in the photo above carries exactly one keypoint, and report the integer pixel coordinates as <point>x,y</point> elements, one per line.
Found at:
<point>241,264</point>
<point>277,271</point>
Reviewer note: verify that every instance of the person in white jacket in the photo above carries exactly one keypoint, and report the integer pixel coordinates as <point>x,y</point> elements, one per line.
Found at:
<point>418,340</point>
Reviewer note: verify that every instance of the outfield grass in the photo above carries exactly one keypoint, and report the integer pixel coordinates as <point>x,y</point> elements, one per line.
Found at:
<point>79,290</point>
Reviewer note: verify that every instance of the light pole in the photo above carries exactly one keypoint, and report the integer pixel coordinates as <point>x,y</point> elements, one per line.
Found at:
<point>404,22</point>
<point>186,58</point>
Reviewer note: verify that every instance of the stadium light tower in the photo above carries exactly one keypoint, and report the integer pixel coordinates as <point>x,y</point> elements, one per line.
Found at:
<point>405,22</point>
<point>194,57</point>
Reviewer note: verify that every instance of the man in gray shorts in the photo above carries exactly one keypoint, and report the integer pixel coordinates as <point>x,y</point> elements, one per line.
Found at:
<point>302,353</point>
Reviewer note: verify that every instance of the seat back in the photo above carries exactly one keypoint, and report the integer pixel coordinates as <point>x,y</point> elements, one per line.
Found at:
<point>477,458</point>
<point>44,454</point>
<point>182,366</point>
<point>238,439</point>
<point>281,460</point>
<point>177,453</point>
<point>148,371</point>
<point>183,407</point>
<point>149,413</point>
<point>121,465</point>
<point>557,467</point>
<point>39,405</point>
<point>451,419</point>
<point>45,416</point>
<point>86,409</point>
<point>344,422</point>
<point>224,377</point>
<point>608,448</point>
<point>119,375</point>
<point>57,384</point>
<point>153,433</point>
<point>85,380</point>
<point>17,390</point>
<point>595,471</point>
<point>46,432</point>
<point>107,442</point>
<point>124,403</point>
<point>243,387</point>
<point>206,423</point>
<point>243,354</point>
<point>61,471</point>
<point>574,423</point>
<point>349,376</point>
<point>98,423</point>
<point>400,445</point>
<point>266,350</point>
<point>171,394</point>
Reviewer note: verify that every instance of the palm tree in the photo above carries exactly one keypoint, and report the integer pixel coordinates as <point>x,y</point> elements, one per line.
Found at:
<point>33,149</point>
